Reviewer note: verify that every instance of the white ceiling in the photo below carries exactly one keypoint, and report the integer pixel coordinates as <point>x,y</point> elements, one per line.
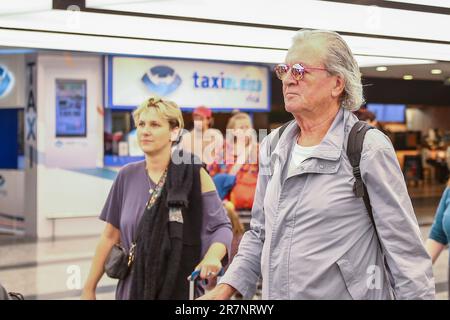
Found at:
<point>232,30</point>
<point>342,17</point>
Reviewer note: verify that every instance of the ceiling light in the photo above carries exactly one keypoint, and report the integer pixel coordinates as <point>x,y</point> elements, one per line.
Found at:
<point>375,61</point>
<point>436,71</point>
<point>381,69</point>
<point>408,77</point>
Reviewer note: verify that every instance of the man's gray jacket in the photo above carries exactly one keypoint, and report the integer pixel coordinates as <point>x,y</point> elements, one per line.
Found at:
<point>311,238</point>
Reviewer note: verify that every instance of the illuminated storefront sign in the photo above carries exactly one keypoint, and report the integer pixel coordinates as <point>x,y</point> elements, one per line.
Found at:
<point>220,86</point>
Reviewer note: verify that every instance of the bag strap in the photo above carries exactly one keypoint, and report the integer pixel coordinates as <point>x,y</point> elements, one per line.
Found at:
<point>354,149</point>
<point>16,296</point>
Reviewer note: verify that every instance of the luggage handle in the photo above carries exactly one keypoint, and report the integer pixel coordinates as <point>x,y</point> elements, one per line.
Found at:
<point>194,276</point>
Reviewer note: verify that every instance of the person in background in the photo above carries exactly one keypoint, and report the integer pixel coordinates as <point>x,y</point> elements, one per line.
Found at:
<point>237,227</point>
<point>196,235</point>
<point>439,236</point>
<point>236,177</point>
<point>447,156</point>
<point>203,140</point>
<point>370,118</point>
<point>238,232</point>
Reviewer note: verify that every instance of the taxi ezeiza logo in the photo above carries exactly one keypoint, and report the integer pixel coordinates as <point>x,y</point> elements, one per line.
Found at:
<point>6,81</point>
<point>161,80</point>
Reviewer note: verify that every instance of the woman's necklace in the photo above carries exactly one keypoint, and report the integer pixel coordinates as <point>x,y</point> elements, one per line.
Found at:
<point>150,190</point>
<point>156,191</point>
<point>150,182</point>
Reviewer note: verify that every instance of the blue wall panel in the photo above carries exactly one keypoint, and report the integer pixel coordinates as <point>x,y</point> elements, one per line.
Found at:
<point>8,138</point>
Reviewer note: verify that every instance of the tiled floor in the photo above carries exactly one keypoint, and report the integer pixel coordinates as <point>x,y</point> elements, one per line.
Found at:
<point>58,269</point>
<point>50,270</point>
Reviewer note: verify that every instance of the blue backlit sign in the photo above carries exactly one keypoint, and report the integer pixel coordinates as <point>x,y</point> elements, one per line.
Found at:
<point>6,81</point>
<point>161,80</point>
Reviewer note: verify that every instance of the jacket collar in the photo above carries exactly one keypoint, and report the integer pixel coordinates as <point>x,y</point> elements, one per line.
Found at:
<point>331,146</point>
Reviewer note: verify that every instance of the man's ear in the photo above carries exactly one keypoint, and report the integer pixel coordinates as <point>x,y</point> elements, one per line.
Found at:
<point>338,88</point>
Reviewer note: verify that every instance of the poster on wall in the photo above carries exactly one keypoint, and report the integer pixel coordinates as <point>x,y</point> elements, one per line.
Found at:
<point>70,108</point>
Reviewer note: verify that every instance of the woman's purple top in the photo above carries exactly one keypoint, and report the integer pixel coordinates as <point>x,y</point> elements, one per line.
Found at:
<point>125,206</point>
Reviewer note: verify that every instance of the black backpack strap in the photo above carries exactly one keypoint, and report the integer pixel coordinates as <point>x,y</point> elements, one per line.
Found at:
<point>354,149</point>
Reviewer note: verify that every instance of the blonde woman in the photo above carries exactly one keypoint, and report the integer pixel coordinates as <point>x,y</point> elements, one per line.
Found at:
<point>194,234</point>
<point>236,176</point>
<point>238,232</point>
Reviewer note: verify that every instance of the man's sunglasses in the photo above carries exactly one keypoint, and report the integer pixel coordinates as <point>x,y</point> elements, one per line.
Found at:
<point>297,70</point>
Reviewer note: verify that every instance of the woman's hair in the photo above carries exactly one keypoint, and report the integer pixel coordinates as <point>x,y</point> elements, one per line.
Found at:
<point>237,226</point>
<point>167,109</point>
<point>238,116</point>
<point>339,61</point>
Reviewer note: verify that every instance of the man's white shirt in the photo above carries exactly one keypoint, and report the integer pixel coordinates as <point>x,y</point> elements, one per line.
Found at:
<point>299,154</point>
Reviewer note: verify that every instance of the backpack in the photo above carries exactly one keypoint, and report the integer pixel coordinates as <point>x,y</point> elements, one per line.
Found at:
<point>243,192</point>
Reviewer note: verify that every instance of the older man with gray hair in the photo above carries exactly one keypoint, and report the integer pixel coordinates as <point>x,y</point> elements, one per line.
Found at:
<point>310,236</point>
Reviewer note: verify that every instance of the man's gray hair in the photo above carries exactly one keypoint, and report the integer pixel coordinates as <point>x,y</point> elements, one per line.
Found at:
<point>339,61</point>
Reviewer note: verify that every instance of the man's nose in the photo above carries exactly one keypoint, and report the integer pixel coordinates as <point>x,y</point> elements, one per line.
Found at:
<point>288,79</point>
